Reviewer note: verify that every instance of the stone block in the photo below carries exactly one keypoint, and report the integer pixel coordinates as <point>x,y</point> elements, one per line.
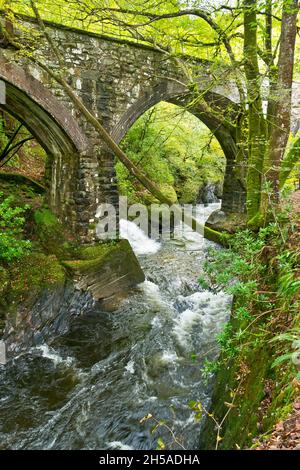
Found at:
<point>106,269</point>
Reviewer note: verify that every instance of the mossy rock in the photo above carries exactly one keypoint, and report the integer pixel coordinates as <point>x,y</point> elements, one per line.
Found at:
<point>106,269</point>
<point>24,190</point>
<point>89,252</point>
<point>169,192</point>
<point>226,222</point>
<point>51,235</point>
<point>32,274</point>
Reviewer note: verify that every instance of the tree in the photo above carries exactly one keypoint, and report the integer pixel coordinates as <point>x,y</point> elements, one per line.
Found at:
<point>256,120</point>
<point>282,108</point>
<point>290,162</point>
<point>177,152</point>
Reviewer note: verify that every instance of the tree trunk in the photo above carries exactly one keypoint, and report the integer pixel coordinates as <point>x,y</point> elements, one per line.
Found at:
<point>282,113</point>
<point>289,162</point>
<point>256,121</point>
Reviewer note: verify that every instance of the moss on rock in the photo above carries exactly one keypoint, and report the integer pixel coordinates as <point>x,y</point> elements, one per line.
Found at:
<point>229,222</point>
<point>105,269</point>
<point>33,273</point>
<point>52,235</point>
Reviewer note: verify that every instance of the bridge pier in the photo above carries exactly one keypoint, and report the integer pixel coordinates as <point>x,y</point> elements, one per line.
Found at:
<point>78,186</point>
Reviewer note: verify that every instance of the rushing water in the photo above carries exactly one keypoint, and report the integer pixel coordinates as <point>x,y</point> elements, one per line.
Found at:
<point>89,388</point>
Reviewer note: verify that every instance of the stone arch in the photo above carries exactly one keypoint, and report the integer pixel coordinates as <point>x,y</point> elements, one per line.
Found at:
<point>234,197</point>
<point>53,127</point>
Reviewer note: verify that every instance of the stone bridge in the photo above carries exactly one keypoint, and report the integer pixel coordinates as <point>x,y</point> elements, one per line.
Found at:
<point>118,80</point>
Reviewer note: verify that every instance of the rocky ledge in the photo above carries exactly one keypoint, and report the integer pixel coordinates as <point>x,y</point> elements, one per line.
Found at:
<point>101,272</point>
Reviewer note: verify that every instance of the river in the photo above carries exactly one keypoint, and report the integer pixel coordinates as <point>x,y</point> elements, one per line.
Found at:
<point>91,387</point>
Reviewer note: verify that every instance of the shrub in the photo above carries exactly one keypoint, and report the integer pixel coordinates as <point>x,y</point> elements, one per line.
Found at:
<point>12,245</point>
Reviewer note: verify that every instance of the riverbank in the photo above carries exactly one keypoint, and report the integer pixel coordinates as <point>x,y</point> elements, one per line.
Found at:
<point>257,374</point>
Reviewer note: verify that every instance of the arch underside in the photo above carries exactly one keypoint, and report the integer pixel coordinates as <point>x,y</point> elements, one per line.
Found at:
<point>33,105</point>
<point>224,112</point>
<point>41,125</point>
<point>221,107</point>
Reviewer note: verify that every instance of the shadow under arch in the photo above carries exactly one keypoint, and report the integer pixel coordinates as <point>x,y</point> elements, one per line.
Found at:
<point>54,128</point>
<point>234,194</point>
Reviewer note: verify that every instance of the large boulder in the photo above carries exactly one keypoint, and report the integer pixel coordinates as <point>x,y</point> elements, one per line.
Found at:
<point>226,222</point>
<point>99,278</point>
<point>106,269</point>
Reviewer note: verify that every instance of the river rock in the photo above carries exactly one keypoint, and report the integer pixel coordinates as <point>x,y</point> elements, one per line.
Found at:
<point>109,272</point>
<point>38,319</point>
<point>209,193</point>
<point>103,271</point>
<point>226,222</point>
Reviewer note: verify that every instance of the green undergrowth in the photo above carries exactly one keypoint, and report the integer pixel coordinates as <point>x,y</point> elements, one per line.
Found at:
<point>33,272</point>
<point>26,267</point>
<point>99,250</point>
<point>256,371</point>
<point>176,151</point>
<point>23,189</point>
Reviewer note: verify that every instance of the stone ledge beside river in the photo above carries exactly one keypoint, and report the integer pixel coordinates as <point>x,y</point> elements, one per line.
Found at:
<point>103,271</point>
